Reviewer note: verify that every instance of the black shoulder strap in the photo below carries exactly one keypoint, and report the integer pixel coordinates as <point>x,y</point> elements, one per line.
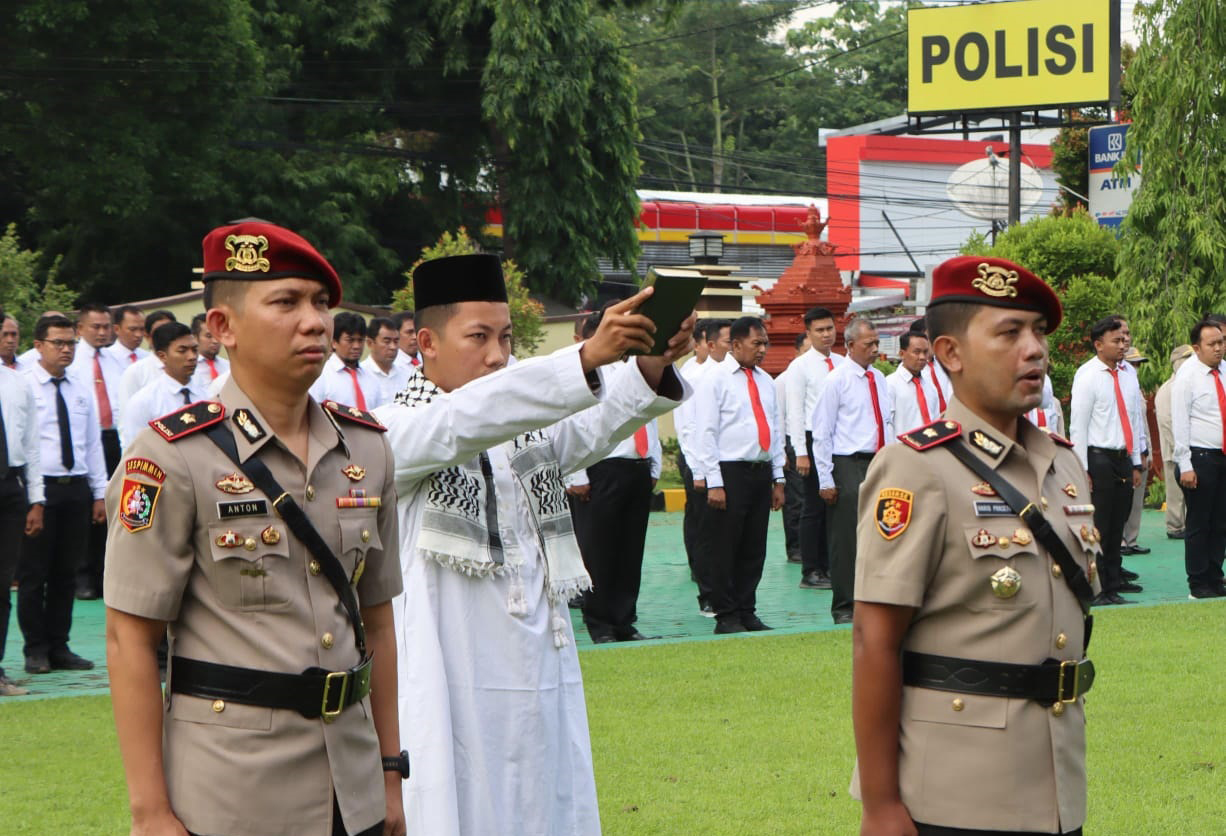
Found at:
<point>299,524</point>
<point>1034,519</point>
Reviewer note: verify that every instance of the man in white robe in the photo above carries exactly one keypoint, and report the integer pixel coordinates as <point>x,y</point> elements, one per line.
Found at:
<point>493,713</point>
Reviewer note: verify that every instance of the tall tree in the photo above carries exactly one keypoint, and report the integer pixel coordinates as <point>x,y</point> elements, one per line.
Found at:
<point>1173,260</point>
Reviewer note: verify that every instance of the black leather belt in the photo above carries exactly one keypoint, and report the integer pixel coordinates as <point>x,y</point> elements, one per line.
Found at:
<point>63,480</point>
<point>861,455</point>
<point>1051,682</point>
<point>1109,451</point>
<point>313,693</point>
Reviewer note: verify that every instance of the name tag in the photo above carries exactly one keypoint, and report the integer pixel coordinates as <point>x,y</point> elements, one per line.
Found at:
<point>242,508</point>
<point>988,508</point>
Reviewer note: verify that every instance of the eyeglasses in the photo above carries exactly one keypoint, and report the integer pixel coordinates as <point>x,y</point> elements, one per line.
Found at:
<point>60,345</point>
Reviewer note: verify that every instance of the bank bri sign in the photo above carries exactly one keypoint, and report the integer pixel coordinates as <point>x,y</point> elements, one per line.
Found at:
<point>1110,195</point>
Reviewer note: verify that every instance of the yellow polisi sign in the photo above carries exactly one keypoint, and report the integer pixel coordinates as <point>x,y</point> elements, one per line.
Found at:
<point>1015,55</point>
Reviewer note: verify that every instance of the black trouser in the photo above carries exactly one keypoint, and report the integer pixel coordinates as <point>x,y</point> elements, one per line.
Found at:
<point>89,574</point>
<point>13,509</point>
<point>338,827</point>
<point>611,528</point>
<point>849,472</point>
<point>736,544</point>
<point>692,529</point>
<point>1111,493</point>
<point>45,573</point>
<point>793,501</point>
<point>814,546</point>
<point>1204,524</point>
<point>936,830</point>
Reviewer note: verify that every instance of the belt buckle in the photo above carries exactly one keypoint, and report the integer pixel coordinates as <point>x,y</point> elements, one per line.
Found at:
<point>343,676</point>
<point>1075,678</point>
<point>276,503</point>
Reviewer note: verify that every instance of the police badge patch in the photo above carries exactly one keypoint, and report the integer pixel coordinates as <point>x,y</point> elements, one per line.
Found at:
<point>893,512</point>
<point>137,502</point>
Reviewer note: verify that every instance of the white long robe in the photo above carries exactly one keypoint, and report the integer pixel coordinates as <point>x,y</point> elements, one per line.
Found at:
<point>491,711</point>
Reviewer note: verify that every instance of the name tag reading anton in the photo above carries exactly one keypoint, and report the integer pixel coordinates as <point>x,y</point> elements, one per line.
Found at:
<point>242,508</point>
<point>987,508</point>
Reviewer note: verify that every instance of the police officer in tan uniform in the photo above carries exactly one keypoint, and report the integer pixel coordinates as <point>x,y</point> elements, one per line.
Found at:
<point>247,525</point>
<point>971,619</point>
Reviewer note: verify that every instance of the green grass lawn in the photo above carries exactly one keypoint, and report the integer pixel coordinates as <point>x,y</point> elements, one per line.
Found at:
<point>751,735</point>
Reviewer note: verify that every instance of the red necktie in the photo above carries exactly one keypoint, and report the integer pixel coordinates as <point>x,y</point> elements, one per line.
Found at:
<point>759,415</point>
<point>358,400</point>
<point>640,442</point>
<point>132,357</point>
<point>413,359</point>
<point>1123,410</point>
<point>829,364</point>
<point>104,401</point>
<point>936,381</point>
<point>1041,415</point>
<point>1221,403</point>
<point>921,398</point>
<point>872,390</point>
<point>212,368</point>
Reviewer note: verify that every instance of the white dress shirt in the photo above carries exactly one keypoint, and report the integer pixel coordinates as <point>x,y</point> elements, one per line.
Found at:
<point>844,421</point>
<point>808,373</point>
<point>1196,418</point>
<point>906,414</point>
<point>162,396</point>
<point>21,423</point>
<point>691,372</point>
<point>1094,417</point>
<point>336,384</point>
<point>82,425</point>
<point>944,387</point>
<point>205,374</point>
<point>628,449</point>
<point>781,402</point>
<point>1048,415</point>
<point>389,383</point>
<point>405,359</point>
<point>28,359</point>
<point>112,372</point>
<point>725,429</point>
<point>1136,402</point>
<point>124,357</point>
<point>136,376</point>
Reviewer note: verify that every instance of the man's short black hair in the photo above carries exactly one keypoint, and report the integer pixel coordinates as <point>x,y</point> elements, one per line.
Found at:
<point>347,322</point>
<point>590,323</point>
<point>700,331</point>
<point>1195,334</point>
<point>949,319</point>
<point>1218,318</point>
<point>377,324</point>
<point>1104,325</point>
<point>166,333</point>
<point>904,342</point>
<point>46,323</point>
<point>714,326</point>
<point>801,340</point>
<point>399,319</point>
<point>152,320</point>
<point>814,314</point>
<point>89,308</point>
<point>119,313</point>
<point>919,326</point>
<point>745,326</point>
<point>198,323</point>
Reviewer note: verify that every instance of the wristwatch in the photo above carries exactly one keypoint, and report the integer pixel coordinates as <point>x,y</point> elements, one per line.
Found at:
<point>398,763</point>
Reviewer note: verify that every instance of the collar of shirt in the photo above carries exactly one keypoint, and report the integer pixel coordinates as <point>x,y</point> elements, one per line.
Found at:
<point>1033,443</point>
<point>324,432</point>
<point>42,376</point>
<point>174,387</point>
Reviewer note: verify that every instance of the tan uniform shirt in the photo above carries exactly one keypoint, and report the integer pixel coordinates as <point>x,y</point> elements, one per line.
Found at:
<point>237,769</point>
<point>967,761</point>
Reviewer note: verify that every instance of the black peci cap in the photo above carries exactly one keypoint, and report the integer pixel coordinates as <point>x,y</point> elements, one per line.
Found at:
<point>459,278</point>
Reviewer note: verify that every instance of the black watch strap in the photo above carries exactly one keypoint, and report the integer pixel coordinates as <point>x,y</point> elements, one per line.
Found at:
<point>398,763</point>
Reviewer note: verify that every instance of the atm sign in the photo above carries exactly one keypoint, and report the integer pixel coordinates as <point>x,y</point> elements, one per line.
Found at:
<point>1015,55</point>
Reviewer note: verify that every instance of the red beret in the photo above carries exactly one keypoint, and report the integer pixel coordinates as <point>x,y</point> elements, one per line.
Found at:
<point>982,280</point>
<point>254,250</point>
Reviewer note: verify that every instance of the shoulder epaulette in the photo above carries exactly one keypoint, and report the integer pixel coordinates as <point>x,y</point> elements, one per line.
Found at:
<point>936,433</point>
<point>189,419</point>
<point>1061,440</point>
<point>354,415</point>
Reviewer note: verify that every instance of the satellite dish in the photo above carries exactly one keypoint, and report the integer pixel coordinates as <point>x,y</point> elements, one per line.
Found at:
<point>980,188</point>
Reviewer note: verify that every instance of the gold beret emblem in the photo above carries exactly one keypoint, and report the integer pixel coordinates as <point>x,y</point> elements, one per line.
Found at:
<point>247,253</point>
<point>995,281</point>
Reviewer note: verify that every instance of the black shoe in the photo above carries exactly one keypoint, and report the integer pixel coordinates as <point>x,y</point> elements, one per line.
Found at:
<point>38,664</point>
<point>1129,575</point>
<point>604,638</point>
<point>729,624</point>
<point>754,624</point>
<point>66,660</point>
<point>843,618</point>
<point>1197,593</point>
<point>814,580</point>
<point>705,610</point>
<point>634,636</point>
<point>1140,550</point>
<point>1174,535</point>
<point>87,593</point>
<point>1108,599</point>
<point>1129,586</point>
<point>794,558</point>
